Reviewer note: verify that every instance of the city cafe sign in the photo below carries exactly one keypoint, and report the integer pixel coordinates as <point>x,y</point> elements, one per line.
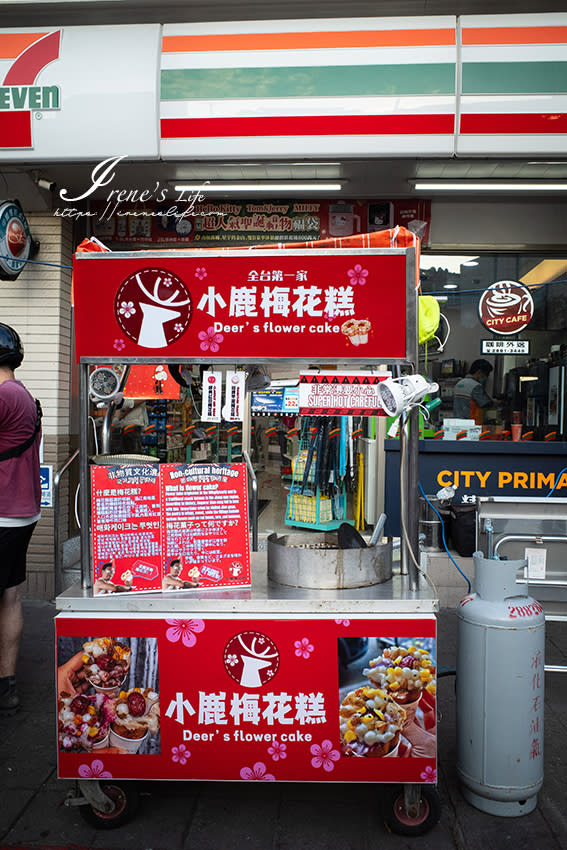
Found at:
<point>506,307</point>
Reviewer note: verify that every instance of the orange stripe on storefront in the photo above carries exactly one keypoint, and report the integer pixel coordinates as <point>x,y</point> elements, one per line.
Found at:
<point>309,40</point>
<point>12,44</point>
<point>514,35</point>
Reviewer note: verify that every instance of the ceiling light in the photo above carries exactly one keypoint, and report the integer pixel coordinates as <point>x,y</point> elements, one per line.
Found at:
<point>450,286</point>
<point>283,186</point>
<point>450,262</point>
<point>471,186</point>
<point>471,263</point>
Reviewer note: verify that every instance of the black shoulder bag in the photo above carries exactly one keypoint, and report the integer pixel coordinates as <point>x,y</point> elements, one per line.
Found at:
<point>16,451</point>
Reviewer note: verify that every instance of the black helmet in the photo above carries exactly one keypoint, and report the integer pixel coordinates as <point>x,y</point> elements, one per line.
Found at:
<point>11,348</point>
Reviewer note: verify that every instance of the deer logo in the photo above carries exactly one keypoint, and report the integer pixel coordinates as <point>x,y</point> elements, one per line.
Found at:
<point>153,307</point>
<point>251,659</point>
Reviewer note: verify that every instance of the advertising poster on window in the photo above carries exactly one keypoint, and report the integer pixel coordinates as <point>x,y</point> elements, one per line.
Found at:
<point>205,523</point>
<point>183,221</point>
<point>223,699</point>
<point>126,529</point>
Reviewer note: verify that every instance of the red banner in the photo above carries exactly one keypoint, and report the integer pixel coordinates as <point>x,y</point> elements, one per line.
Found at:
<point>223,699</point>
<point>338,305</point>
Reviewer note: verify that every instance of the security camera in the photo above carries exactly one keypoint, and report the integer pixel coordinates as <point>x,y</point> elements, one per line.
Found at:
<point>50,185</point>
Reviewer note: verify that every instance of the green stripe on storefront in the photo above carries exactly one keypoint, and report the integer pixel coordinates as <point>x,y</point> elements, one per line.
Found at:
<point>514,77</point>
<point>332,81</point>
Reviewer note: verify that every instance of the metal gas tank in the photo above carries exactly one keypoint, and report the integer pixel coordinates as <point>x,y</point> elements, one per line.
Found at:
<point>500,691</point>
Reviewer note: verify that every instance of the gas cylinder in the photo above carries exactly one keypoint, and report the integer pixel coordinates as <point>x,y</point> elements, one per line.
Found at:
<point>500,691</point>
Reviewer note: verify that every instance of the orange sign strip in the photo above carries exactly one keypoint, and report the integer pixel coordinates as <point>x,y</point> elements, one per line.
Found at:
<point>12,44</point>
<point>514,35</point>
<point>309,40</point>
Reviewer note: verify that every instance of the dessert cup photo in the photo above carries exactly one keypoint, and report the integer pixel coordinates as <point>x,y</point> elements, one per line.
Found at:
<point>102,744</point>
<point>370,723</point>
<point>131,745</point>
<point>106,664</point>
<point>404,673</point>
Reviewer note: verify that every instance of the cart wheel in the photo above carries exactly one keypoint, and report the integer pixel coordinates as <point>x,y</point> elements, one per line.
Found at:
<point>397,819</point>
<point>125,799</point>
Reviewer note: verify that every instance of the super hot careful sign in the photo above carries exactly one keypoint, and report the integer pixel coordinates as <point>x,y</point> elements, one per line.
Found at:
<point>316,305</point>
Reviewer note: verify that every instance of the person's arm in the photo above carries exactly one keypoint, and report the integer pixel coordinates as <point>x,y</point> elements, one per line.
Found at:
<point>101,584</point>
<point>480,397</point>
<point>71,677</point>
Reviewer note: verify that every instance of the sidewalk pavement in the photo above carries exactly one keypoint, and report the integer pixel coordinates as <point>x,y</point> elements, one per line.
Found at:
<point>265,816</point>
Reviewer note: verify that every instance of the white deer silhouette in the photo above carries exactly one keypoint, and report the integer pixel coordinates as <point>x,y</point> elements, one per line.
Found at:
<point>253,663</point>
<point>156,314</point>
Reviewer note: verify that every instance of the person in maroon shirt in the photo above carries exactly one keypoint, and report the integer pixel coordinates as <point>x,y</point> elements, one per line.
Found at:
<point>20,500</point>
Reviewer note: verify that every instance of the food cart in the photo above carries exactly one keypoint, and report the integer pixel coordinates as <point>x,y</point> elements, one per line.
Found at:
<point>240,674</point>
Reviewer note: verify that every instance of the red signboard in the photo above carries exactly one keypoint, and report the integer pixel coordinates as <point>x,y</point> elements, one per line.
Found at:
<point>235,699</point>
<point>169,527</point>
<point>335,305</point>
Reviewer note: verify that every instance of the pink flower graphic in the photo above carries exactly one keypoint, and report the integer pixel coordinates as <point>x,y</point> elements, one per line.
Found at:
<point>210,340</point>
<point>180,754</point>
<point>201,273</point>
<point>94,770</point>
<point>358,275</point>
<point>429,774</point>
<point>278,750</point>
<point>184,630</point>
<point>257,772</point>
<point>324,755</point>
<point>303,648</point>
<point>127,309</point>
<point>119,344</point>
<point>342,622</point>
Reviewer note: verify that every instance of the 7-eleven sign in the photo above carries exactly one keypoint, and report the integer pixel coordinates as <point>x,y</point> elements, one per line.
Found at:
<point>19,93</point>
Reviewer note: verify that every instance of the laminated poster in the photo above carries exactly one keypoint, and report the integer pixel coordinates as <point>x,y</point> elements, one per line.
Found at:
<point>169,527</point>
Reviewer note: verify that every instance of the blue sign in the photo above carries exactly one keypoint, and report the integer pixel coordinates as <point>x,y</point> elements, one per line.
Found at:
<point>46,479</point>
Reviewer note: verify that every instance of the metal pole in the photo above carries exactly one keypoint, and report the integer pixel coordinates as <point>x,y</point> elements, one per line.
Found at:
<point>413,424</point>
<point>404,558</point>
<point>254,501</point>
<point>412,494</point>
<point>84,495</point>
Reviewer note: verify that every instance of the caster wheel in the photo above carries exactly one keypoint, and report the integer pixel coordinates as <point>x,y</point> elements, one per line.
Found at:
<point>396,817</point>
<point>125,799</point>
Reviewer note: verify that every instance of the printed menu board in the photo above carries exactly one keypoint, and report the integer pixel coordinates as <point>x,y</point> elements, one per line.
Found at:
<point>170,527</point>
<point>205,521</point>
<point>126,528</point>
